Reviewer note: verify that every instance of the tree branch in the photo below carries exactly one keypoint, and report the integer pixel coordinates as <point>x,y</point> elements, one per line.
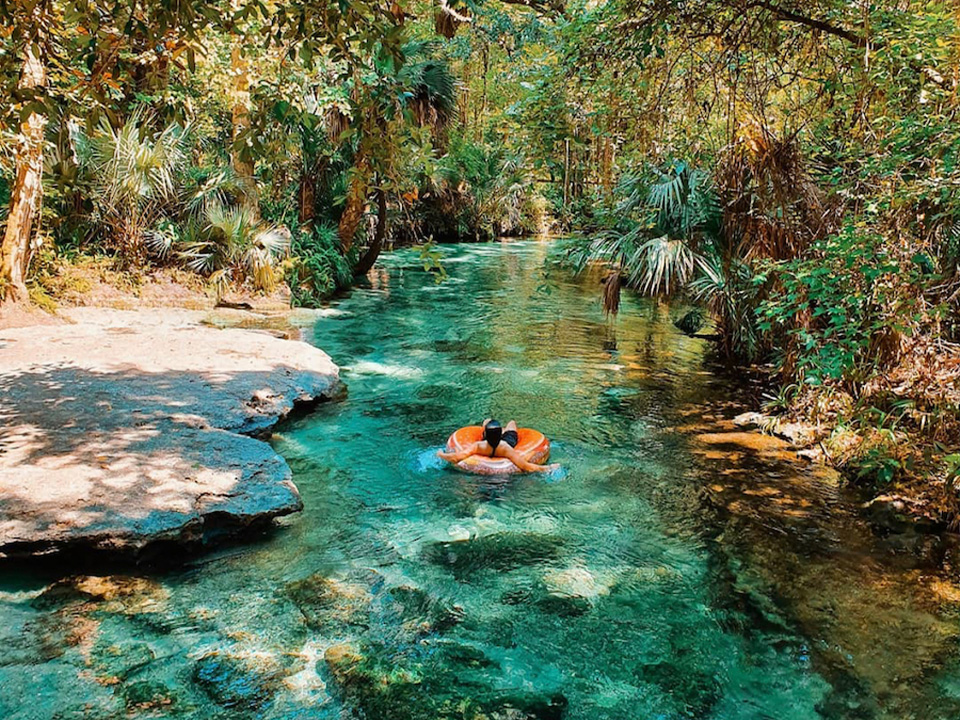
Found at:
<point>790,16</point>
<point>552,7</point>
<point>453,13</point>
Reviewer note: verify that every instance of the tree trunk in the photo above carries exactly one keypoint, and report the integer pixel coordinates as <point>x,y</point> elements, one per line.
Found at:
<point>463,99</point>
<point>606,166</point>
<point>373,252</point>
<point>311,180</point>
<point>308,190</point>
<point>356,201</point>
<point>27,192</point>
<point>482,109</point>
<point>241,124</point>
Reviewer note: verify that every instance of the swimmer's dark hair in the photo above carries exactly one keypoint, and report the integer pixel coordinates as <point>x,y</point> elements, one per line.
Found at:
<point>492,433</point>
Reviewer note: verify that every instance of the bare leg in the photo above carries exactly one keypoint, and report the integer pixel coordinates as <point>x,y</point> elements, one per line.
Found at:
<point>518,459</point>
<point>477,448</point>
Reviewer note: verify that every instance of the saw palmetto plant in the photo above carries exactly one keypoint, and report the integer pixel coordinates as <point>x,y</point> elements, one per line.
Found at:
<point>659,234</point>
<point>231,244</point>
<point>134,177</point>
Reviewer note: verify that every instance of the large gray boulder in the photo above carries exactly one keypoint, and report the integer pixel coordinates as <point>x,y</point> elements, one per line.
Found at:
<point>126,429</point>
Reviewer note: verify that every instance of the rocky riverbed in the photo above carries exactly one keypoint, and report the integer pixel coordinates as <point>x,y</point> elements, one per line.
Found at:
<point>125,430</point>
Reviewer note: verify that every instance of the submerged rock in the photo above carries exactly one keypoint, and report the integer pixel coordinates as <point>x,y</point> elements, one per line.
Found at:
<point>382,688</point>
<point>499,551</point>
<point>41,640</point>
<point>564,605</point>
<point>236,682</point>
<point>384,684</point>
<point>327,602</point>
<point>566,592</point>
<point>466,656</point>
<point>118,592</point>
<point>576,582</point>
<point>428,613</point>
<point>124,659</point>
<point>130,429</point>
<point>528,706</point>
<point>147,695</point>
<point>342,659</point>
<point>697,691</point>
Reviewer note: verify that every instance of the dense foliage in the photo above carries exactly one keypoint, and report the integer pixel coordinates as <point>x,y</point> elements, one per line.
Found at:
<point>790,170</point>
<point>228,138</point>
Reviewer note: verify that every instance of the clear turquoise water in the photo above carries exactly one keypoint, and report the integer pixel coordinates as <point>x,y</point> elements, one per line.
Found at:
<point>655,577</point>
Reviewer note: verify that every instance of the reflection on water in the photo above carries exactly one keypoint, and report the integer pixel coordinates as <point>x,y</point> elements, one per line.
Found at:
<point>675,569</point>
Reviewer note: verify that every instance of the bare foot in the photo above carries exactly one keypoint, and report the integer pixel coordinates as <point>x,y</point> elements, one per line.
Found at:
<point>548,468</point>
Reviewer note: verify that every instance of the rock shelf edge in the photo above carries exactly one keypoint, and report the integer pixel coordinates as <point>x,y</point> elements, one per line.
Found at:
<point>133,432</point>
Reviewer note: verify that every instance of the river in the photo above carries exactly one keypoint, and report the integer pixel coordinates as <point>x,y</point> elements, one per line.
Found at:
<point>674,568</point>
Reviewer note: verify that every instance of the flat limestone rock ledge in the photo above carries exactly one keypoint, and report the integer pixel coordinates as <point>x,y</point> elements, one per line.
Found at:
<point>126,429</point>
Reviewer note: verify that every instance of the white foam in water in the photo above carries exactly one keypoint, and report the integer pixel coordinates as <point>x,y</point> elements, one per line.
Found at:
<point>555,475</point>
<point>428,460</point>
<point>307,314</point>
<point>458,532</point>
<point>290,444</point>
<point>369,367</point>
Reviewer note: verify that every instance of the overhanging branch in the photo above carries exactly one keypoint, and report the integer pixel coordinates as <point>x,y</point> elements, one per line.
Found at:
<point>783,14</point>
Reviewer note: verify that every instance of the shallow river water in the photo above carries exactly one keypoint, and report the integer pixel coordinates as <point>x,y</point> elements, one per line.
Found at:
<point>675,568</point>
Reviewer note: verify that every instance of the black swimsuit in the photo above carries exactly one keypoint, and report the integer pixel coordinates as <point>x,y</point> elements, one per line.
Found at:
<point>509,437</point>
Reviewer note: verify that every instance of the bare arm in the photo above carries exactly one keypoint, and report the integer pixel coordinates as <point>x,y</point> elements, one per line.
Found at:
<point>462,455</point>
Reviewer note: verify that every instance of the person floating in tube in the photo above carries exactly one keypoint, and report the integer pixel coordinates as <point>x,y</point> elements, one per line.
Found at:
<point>498,442</point>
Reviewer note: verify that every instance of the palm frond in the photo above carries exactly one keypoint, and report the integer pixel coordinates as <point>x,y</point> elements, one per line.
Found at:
<point>162,239</point>
<point>667,193</point>
<point>134,174</point>
<point>217,186</point>
<point>612,285</point>
<point>231,242</point>
<point>131,167</point>
<point>429,84</point>
<point>661,265</point>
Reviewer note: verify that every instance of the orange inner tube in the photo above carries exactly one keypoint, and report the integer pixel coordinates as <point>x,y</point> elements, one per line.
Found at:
<point>532,443</point>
